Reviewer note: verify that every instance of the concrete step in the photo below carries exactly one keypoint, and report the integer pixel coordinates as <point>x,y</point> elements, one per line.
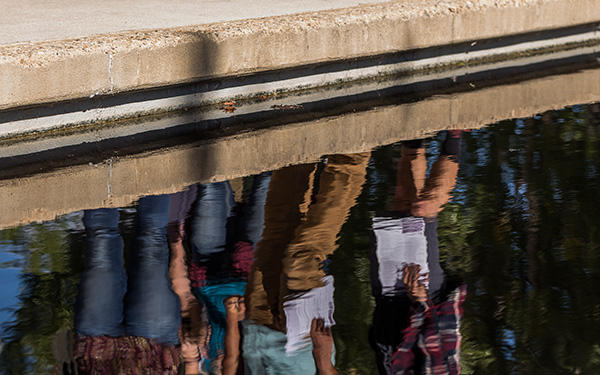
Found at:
<point>101,175</point>
<point>70,82</point>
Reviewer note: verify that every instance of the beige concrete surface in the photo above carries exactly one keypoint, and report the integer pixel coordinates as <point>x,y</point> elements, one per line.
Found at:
<point>43,20</point>
<point>121,181</point>
<point>38,72</point>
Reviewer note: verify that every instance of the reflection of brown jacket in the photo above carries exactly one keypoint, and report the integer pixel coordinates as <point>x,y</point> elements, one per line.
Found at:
<point>299,235</point>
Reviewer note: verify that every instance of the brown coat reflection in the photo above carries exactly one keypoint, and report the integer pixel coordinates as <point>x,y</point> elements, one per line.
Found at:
<point>299,234</point>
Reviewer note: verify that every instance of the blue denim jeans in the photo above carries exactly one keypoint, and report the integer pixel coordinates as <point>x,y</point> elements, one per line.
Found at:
<point>209,222</point>
<point>142,303</point>
<point>255,210</point>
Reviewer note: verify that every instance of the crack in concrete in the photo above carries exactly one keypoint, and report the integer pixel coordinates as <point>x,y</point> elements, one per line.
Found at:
<point>110,168</point>
<point>110,73</point>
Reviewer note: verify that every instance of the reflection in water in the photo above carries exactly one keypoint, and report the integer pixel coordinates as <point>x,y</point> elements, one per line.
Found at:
<point>417,314</point>
<point>131,322</point>
<point>286,291</point>
<point>512,233</point>
<point>222,250</point>
<point>125,322</point>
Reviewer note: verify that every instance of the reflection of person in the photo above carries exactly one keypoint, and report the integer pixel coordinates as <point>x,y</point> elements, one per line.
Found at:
<point>417,313</point>
<point>194,331</point>
<point>222,249</point>
<point>287,283</point>
<point>126,323</point>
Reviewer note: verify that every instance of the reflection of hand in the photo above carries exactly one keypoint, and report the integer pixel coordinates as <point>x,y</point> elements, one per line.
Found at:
<point>415,290</point>
<point>322,346</point>
<point>235,309</point>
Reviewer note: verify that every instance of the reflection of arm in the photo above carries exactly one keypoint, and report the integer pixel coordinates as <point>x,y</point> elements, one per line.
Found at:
<point>322,347</point>
<point>232,348</point>
<point>235,311</point>
<point>191,328</point>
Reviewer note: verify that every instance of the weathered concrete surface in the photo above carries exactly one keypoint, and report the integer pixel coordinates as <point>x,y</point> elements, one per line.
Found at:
<point>42,20</point>
<point>120,181</point>
<point>38,72</point>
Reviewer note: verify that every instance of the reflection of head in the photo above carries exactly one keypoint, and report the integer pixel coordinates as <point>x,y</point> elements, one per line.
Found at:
<point>213,296</point>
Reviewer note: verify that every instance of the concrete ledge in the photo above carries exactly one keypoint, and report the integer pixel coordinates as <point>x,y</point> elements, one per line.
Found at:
<point>120,181</point>
<point>45,72</point>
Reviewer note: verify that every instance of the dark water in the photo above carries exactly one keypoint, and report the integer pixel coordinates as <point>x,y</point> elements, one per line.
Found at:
<point>505,216</point>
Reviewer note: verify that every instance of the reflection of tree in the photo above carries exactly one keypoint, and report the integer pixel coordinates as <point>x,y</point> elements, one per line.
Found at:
<point>529,245</point>
<point>522,230</point>
<point>50,263</point>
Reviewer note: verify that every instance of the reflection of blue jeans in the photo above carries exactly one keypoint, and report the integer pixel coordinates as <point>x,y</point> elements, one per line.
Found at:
<point>209,223</point>
<point>255,213</point>
<point>214,206</point>
<point>109,304</point>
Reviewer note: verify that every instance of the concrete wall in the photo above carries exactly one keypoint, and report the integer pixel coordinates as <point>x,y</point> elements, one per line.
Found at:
<point>44,72</point>
<point>121,181</point>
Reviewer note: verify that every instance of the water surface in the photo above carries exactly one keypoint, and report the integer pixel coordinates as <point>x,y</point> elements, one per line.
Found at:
<point>507,213</point>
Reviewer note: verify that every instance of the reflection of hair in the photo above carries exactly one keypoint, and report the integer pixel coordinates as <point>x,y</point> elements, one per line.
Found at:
<point>212,296</point>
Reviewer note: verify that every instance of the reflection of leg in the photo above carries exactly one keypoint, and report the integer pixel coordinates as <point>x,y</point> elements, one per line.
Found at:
<point>340,184</point>
<point>255,213</point>
<point>99,306</point>
<point>441,179</point>
<point>412,169</point>
<point>287,200</point>
<point>252,226</point>
<point>152,309</point>
<point>436,274</point>
<point>180,205</point>
<point>209,224</point>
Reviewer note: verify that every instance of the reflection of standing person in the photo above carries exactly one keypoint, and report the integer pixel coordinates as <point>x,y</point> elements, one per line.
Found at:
<point>287,277</point>
<point>417,313</point>
<point>194,332</point>
<point>127,322</point>
<point>222,250</point>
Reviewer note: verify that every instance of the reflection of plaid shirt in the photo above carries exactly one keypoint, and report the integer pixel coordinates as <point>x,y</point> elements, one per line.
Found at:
<point>434,330</point>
